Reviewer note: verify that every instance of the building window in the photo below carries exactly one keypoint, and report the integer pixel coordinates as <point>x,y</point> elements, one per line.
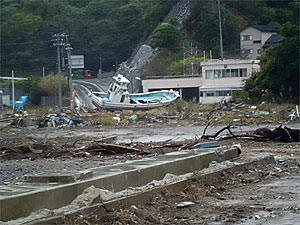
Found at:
<point>217,73</point>
<point>248,51</point>
<point>246,37</point>
<point>226,73</point>
<point>209,74</point>
<point>243,72</point>
<point>234,72</point>
<point>224,93</point>
<point>210,94</point>
<point>257,42</point>
<point>258,51</point>
<point>217,93</point>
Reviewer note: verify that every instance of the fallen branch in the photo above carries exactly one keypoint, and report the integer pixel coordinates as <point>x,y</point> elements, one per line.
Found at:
<point>219,132</point>
<point>114,148</point>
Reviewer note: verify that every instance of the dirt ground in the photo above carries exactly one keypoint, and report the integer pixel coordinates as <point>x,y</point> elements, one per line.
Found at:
<point>26,151</point>
<point>257,195</point>
<point>260,194</point>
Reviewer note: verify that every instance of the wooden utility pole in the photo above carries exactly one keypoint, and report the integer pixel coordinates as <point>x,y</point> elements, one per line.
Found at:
<point>69,49</point>
<point>60,41</point>
<point>58,44</point>
<point>220,29</point>
<point>13,88</point>
<point>100,68</point>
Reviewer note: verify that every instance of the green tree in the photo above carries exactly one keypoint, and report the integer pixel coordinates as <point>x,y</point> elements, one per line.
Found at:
<point>188,65</point>
<point>166,36</point>
<point>49,85</point>
<point>155,12</point>
<point>279,74</point>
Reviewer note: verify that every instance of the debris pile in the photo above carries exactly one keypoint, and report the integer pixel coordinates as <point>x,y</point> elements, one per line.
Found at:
<point>56,120</point>
<point>20,119</point>
<point>200,202</point>
<point>86,147</point>
<point>281,134</point>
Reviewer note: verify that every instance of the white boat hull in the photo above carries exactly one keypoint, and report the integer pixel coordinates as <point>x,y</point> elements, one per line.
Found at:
<point>123,106</point>
<point>118,98</point>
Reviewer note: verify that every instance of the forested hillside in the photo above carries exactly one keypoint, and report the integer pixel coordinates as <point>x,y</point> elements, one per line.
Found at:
<point>202,25</point>
<point>111,29</point>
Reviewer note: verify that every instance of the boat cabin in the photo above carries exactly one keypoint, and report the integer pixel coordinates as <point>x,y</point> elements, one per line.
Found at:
<point>118,91</point>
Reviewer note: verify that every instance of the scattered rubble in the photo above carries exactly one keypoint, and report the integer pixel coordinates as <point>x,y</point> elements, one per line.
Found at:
<point>56,120</point>
<point>179,113</point>
<point>231,199</point>
<point>15,145</point>
<point>282,134</point>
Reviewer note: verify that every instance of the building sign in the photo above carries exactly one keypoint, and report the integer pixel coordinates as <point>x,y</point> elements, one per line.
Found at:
<point>77,61</point>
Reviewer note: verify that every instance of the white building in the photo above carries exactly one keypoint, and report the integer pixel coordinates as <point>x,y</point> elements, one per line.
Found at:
<point>219,79</point>
<point>253,39</point>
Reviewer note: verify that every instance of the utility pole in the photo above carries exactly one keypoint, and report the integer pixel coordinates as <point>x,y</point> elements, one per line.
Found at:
<point>220,28</point>
<point>59,38</point>
<point>13,88</point>
<point>100,67</point>
<point>69,49</point>
<point>63,66</point>
<point>43,71</point>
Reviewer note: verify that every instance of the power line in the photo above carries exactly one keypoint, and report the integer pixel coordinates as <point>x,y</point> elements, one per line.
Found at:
<point>25,43</point>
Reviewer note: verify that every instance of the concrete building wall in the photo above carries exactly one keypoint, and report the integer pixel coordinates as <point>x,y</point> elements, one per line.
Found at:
<point>249,44</point>
<point>256,42</point>
<point>225,77</point>
<point>230,78</point>
<point>171,83</point>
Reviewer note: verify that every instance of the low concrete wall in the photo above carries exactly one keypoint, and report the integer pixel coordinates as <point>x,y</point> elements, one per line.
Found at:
<point>114,178</point>
<point>210,176</point>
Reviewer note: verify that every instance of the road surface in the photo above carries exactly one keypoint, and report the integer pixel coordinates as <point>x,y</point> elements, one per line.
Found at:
<point>82,87</point>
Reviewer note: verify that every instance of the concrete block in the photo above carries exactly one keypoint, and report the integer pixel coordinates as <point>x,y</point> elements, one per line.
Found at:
<point>62,177</point>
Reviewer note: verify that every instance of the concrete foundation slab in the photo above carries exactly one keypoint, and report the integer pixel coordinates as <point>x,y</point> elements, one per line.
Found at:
<point>208,175</point>
<point>114,178</point>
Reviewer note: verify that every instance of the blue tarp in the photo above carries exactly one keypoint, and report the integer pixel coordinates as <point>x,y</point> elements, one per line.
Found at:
<point>21,102</point>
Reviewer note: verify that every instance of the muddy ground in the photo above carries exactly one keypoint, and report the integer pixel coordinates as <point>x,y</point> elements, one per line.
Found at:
<point>249,197</point>
<point>260,194</point>
<point>27,151</point>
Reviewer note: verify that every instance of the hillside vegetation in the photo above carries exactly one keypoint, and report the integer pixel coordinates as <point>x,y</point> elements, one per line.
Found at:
<point>110,29</point>
<point>113,29</point>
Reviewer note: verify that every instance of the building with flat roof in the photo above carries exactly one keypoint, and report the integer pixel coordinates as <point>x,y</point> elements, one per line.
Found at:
<point>220,78</point>
<point>217,82</point>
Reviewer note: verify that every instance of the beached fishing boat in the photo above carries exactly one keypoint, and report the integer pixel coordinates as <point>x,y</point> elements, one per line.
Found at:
<point>118,97</point>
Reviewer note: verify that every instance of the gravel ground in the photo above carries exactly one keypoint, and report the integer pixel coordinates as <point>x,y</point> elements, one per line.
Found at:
<point>13,169</point>
<point>259,194</point>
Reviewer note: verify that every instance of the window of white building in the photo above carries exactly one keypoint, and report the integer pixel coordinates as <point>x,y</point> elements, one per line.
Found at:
<point>220,93</point>
<point>243,72</point>
<point>246,37</point>
<point>226,73</point>
<point>234,72</point>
